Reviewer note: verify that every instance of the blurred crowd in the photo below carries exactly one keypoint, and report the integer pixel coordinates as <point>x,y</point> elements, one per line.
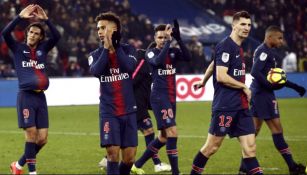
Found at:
<point>75,21</point>
<point>290,15</point>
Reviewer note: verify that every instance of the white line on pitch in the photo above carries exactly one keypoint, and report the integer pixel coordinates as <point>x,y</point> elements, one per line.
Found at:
<point>288,138</point>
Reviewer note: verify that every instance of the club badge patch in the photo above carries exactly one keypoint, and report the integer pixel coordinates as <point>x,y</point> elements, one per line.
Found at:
<point>150,55</point>
<point>263,56</point>
<point>26,113</point>
<point>90,60</point>
<point>225,57</point>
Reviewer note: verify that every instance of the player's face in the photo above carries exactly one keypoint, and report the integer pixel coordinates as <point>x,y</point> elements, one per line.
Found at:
<point>277,39</point>
<point>160,39</point>
<point>102,27</point>
<point>242,27</point>
<point>34,36</point>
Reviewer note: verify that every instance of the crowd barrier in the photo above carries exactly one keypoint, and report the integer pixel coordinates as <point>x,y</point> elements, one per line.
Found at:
<point>85,91</point>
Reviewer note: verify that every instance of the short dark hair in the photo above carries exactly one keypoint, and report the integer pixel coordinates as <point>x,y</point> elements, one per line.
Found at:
<point>241,14</point>
<point>109,16</point>
<point>38,25</point>
<point>273,28</point>
<point>160,27</point>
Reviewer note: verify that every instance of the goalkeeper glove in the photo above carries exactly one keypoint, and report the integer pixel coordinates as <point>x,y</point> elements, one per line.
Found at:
<point>175,31</point>
<point>116,36</point>
<point>299,89</point>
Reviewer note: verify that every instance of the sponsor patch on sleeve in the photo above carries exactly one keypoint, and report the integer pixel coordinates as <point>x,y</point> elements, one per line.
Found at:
<point>225,57</point>
<point>150,54</point>
<point>263,56</point>
<point>90,60</point>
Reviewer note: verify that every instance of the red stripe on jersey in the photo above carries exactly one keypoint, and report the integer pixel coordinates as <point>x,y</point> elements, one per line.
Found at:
<point>170,82</point>
<point>243,96</point>
<point>137,69</point>
<point>118,97</point>
<point>42,80</point>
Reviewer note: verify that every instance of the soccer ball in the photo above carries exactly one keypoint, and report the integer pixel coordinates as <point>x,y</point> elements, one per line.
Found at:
<point>277,76</point>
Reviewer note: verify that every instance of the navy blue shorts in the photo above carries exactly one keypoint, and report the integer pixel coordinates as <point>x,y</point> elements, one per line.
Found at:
<point>264,106</point>
<point>118,130</point>
<point>233,123</point>
<point>32,109</point>
<point>164,110</point>
<point>144,124</point>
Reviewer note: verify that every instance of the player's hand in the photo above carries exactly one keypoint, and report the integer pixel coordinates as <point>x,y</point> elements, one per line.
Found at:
<point>27,12</point>
<point>116,36</point>
<point>198,85</point>
<point>176,31</point>
<point>108,38</point>
<point>168,31</point>
<point>40,13</point>
<point>300,90</point>
<point>248,93</point>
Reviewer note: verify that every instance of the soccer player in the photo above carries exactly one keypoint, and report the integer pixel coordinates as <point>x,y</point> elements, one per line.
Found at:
<point>30,64</point>
<point>230,113</point>
<point>263,104</point>
<point>162,59</point>
<point>141,87</point>
<point>113,64</point>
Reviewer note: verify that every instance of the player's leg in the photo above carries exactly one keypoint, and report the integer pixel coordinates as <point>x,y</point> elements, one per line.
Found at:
<point>128,158</point>
<point>248,145</point>
<point>158,165</point>
<point>211,146</point>
<point>146,127</point>
<point>219,127</point>
<point>154,147</point>
<point>113,159</point>
<point>244,130</point>
<point>258,124</point>
<point>281,145</point>
<point>27,120</point>
<point>110,138</point>
<point>171,148</point>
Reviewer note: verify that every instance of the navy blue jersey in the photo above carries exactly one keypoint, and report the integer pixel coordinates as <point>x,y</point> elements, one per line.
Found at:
<point>163,68</point>
<point>30,64</point>
<point>264,60</point>
<point>227,54</point>
<point>141,86</point>
<point>115,75</point>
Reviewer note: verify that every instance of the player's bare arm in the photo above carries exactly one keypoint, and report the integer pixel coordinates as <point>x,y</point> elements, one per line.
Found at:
<point>207,75</point>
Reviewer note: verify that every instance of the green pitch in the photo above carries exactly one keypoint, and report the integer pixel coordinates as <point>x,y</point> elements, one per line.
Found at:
<point>73,145</point>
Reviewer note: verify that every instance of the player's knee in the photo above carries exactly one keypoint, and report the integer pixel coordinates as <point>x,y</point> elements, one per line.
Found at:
<point>171,132</point>
<point>148,131</point>
<point>250,150</point>
<point>31,135</point>
<point>210,150</point>
<point>129,160</point>
<point>113,154</point>
<point>41,141</point>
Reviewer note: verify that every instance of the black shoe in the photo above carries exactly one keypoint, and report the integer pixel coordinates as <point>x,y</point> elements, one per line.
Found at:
<point>299,169</point>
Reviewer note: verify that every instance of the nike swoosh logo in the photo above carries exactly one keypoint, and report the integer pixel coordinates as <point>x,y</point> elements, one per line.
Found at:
<point>25,51</point>
<point>237,56</point>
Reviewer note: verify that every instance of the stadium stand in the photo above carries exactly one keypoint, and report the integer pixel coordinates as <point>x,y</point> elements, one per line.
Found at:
<point>75,20</point>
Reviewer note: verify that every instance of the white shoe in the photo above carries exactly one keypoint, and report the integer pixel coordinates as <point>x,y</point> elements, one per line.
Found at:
<point>103,163</point>
<point>162,167</point>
